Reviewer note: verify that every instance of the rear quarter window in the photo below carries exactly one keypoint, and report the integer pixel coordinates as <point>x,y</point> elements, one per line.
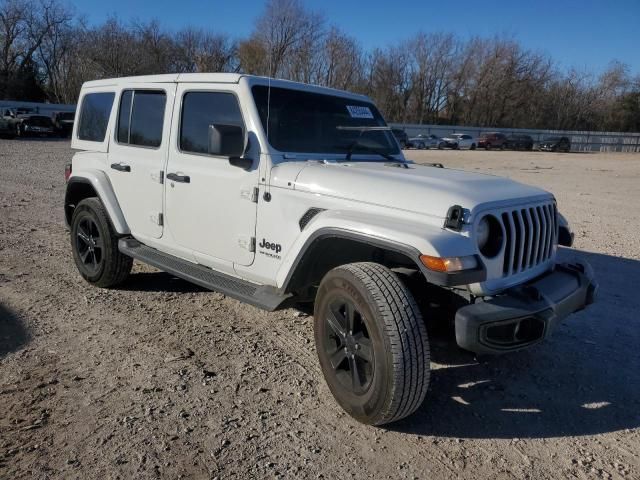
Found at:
<point>94,116</point>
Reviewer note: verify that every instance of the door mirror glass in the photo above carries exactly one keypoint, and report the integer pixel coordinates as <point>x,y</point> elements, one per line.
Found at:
<point>226,140</point>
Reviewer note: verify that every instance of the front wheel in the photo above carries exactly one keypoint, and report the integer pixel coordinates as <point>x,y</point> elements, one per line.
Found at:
<point>94,244</point>
<point>372,343</point>
<point>473,146</point>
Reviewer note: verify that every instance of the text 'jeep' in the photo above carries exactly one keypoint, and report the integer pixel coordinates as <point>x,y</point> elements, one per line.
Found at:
<point>277,193</point>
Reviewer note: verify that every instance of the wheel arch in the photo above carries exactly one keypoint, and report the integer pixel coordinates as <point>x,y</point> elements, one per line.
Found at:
<point>94,184</point>
<point>328,248</point>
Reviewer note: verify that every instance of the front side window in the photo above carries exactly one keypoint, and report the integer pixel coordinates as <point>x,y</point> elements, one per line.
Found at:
<point>306,122</point>
<point>141,117</point>
<point>202,110</point>
<point>94,116</point>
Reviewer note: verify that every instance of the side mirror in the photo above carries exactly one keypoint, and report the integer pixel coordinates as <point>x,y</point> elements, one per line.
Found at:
<point>229,141</point>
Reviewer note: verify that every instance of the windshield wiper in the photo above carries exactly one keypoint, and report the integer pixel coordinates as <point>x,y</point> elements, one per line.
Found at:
<point>357,143</point>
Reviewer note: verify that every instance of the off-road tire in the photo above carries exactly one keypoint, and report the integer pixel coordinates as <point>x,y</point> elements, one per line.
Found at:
<point>113,267</point>
<point>400,367</point>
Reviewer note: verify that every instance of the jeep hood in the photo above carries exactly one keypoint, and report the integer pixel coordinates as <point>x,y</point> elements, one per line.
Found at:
<point>418,188</point>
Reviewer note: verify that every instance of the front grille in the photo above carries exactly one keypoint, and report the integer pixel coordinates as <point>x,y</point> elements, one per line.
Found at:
<point>531,233</point>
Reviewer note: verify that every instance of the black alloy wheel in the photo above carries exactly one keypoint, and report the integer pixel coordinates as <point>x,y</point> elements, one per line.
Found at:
<point>94,245</point>
<point>347,344</point>
<point>90,245</point>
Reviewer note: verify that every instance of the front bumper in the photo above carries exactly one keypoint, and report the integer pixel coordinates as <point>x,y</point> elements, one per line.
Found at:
<point>526,314</point>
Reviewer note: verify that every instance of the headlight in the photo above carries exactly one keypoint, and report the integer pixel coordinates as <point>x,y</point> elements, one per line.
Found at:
<point>489,236</point>
<point>482,233</point>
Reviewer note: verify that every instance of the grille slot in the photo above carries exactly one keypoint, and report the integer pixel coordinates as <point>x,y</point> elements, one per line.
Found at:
<point>308,216</point>
<point>530,234</point>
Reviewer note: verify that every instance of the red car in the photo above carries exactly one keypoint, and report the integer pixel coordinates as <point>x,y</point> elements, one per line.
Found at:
<point>492,140</point>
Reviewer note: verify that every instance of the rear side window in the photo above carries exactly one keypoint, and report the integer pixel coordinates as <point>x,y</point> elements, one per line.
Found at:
<point>94,116</point>
<point>141,117</point>
<point>202,109</point>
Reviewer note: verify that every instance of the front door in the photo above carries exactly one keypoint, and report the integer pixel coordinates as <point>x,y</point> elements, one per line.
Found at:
<point>137,154</point>
<point>210,205</point>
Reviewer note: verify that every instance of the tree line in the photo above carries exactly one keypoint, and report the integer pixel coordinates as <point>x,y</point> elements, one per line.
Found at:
<point>47,51</point>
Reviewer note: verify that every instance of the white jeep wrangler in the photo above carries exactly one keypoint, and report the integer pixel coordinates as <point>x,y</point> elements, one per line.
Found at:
<point>275,192</point>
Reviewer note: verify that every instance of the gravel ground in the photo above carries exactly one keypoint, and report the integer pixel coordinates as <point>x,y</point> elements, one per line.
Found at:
<point>160,378</point>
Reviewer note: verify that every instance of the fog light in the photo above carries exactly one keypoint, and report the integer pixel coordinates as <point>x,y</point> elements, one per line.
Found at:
<point>449,264</point>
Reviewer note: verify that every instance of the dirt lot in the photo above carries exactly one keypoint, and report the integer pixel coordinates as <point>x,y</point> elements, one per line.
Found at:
<point>163,379</point>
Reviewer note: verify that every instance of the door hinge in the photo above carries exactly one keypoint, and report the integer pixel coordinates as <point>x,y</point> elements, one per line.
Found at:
<point>248,243</point>
<point>251,195</point>
<point>158,177</point>
<point>157,218</point>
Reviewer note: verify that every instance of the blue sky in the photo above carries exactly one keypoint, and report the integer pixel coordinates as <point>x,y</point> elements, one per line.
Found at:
<point>583,34</point>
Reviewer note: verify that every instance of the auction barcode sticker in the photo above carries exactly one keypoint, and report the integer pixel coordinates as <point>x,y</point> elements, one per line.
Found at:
<point>358,111</point>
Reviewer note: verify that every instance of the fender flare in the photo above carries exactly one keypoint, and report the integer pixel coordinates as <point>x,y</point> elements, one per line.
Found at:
<point>437,278</point>
<point>100,183</point>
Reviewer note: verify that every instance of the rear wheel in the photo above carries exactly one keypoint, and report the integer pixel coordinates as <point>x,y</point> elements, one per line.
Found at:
<point>94,244</point>
<point>487,146</point>
<point>372,343</point>
<point>473,146</point>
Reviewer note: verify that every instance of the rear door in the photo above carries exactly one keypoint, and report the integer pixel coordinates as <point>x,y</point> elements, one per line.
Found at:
<point>137,154</point>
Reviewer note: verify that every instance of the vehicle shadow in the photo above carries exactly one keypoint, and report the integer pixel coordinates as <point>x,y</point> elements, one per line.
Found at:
<point>13,334</point>
<point>158,282</point>
<point>583,380</point>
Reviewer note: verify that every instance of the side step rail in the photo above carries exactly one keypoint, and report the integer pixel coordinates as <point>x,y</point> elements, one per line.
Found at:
<point>264,297</point>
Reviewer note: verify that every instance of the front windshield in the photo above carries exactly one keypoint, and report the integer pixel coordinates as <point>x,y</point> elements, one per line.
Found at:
<point>305,122</point>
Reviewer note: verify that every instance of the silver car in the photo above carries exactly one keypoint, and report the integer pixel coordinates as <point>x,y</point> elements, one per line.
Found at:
<point>422,142</point>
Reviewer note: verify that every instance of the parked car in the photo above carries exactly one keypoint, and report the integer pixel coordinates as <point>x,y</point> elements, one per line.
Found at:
<point>63,123</point>
<point>491,140</point>
<point>519,142</point>
<point>460,141</point>
<point>555,144</point>
<point>36,126</point>
<point>423,141</point>
<point>8,123</point>
<point>401,137</point>
<point>196,187</point>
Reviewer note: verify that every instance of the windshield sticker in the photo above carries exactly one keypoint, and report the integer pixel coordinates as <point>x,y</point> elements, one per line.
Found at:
<point>357,111</point>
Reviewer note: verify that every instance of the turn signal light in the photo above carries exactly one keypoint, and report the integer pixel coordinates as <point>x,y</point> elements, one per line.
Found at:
<point>450,264</point>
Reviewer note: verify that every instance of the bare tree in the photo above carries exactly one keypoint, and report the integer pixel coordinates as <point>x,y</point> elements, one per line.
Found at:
<point>285,30</point>
<point>47,52</point>
<point>202,51</point>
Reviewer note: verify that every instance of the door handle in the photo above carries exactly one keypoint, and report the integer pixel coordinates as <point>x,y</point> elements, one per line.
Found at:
<point>178,178</point>
<point>121,167</point>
